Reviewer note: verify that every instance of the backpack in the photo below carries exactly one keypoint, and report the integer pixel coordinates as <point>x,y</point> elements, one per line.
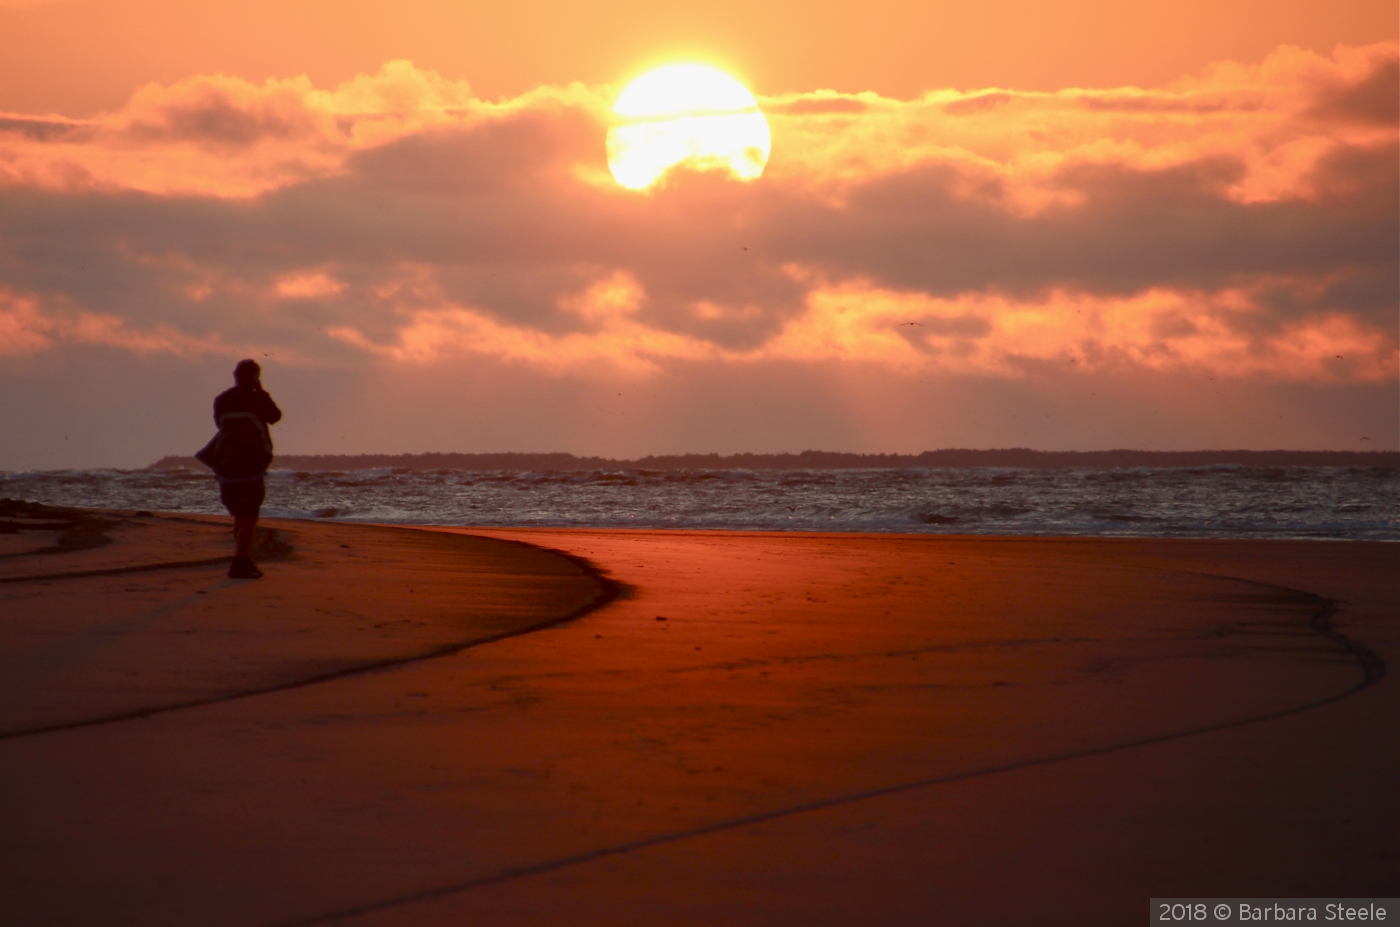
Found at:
<point>241,449</point>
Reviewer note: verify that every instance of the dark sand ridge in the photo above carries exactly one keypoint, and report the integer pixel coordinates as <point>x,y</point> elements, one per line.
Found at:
<point>826,729</point>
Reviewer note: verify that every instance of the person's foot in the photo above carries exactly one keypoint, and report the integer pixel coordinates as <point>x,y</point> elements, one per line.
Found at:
<point>243,568</point>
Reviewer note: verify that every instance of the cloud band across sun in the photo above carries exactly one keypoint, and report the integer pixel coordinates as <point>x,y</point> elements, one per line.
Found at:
<point>1240,222</point>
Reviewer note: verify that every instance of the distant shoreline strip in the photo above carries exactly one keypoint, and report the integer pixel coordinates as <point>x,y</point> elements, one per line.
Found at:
<point>1011,458</point>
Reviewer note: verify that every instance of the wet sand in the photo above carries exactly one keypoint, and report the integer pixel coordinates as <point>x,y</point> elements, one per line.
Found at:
<point>823,729</point>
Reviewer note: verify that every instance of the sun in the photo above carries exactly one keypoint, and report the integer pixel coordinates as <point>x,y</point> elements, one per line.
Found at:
<point>686,114</point>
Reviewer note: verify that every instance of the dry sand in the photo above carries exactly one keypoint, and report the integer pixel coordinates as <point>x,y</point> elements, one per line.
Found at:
<point>825,729</point>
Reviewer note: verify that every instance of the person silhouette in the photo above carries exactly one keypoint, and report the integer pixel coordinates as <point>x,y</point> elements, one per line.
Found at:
<point>241,458</point>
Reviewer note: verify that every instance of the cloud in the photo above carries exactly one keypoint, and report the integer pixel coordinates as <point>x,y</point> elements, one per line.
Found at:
<point>1162,330</point>
<point>24,329</point>
<point>1240,223</point>
<point>307,284</point>
<point>215,135</point>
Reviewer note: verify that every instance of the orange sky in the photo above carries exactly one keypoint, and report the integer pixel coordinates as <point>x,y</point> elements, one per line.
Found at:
<point>1172,231</point>
<point>79,56</point>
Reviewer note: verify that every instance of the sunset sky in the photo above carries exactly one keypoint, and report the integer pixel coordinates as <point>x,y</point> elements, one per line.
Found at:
<point>1058,225</point>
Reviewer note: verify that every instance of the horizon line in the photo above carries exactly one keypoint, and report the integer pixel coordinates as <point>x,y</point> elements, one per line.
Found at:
<point>815,459</point>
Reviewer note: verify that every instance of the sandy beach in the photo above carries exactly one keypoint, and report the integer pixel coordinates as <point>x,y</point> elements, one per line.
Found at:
<point>473,726</point>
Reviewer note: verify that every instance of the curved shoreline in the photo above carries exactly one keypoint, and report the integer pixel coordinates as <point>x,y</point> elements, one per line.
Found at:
<point>1373,670</point>
<point>607,590</point>
<point>813,726</point>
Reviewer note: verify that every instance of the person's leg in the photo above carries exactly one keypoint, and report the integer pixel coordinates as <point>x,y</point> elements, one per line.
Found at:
<point>244,527</point>
<point>243,501</point>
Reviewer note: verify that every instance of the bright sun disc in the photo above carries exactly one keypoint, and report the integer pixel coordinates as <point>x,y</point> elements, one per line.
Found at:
<point>686,114</point>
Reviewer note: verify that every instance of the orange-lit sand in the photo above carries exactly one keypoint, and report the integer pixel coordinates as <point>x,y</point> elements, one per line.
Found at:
<point>128,638</point>
<point>824,729</point>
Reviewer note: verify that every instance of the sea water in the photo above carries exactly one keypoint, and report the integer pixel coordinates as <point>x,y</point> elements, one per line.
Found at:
<point>1219,501</point>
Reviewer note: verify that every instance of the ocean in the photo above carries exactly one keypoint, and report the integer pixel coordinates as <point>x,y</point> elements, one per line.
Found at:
<point>1344,503</point>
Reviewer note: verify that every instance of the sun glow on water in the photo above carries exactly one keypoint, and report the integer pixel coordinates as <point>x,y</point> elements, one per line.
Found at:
<point>686,114</point>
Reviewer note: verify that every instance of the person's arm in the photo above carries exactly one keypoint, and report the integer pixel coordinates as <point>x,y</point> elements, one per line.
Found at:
<point>268,410</point>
